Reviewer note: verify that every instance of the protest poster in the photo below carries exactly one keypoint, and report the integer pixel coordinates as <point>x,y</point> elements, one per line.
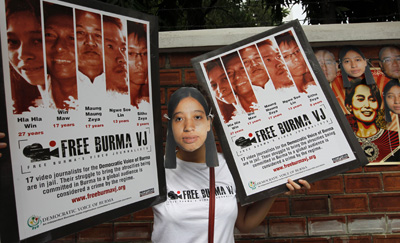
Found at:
<point>277,117</point>
<point>81,112</point>
<point>381,146</point>
<point>366,87</point>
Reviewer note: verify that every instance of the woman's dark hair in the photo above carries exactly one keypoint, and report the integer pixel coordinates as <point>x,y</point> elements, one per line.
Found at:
<point>368,74</point>
<point>185,92</point>
<point>388,86</point>
<point>175,99</point>
<point>351,90</point>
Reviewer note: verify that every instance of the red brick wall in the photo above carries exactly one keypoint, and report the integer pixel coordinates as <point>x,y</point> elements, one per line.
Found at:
<point>360,206</point>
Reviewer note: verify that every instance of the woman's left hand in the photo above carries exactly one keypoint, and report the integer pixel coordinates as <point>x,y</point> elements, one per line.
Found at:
<point>251,215</point>
<point>293,186</point>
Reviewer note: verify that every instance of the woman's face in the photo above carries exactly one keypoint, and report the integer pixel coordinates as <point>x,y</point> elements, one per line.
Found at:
<point>25,50</point>
<point>354,64</point>
<point>363,105</point>
<point>392,98</point>
<point>190,125</point>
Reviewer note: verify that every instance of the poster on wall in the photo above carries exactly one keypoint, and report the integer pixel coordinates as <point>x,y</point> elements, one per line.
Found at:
<point>371,107</point>
<point>277,117</point>
<point>81,112</point>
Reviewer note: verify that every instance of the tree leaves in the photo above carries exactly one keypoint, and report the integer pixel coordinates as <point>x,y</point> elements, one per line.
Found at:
<point>207,14</point>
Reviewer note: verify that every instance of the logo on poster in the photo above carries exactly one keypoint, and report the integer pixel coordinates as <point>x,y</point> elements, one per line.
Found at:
<point>34,222</point>
<point>252,185</point>
<point>81,146</point>
<point>36,152</point>
<point>245,142</point>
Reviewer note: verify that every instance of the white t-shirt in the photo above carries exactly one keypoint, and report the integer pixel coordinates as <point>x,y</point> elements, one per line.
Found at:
<point>184,216</point>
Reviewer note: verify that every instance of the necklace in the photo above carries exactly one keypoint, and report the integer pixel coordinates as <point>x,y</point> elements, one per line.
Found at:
<point>370,149</point>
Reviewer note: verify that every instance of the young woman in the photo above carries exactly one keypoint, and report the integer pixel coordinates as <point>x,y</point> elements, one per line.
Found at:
<point>391,94</point>
<point>353,64</point>
<point>184,217</point>
<point>25,52</point>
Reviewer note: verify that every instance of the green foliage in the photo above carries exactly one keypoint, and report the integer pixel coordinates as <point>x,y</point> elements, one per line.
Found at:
<point>206,14</point>
<point>244,14</point>
<point>354,11</point>
<point>202,14</point>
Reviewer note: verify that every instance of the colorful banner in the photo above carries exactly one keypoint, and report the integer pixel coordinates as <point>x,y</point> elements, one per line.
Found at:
<point>370,99</point>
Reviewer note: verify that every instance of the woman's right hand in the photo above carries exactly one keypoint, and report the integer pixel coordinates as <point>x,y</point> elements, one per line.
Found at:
<point>2,145</point>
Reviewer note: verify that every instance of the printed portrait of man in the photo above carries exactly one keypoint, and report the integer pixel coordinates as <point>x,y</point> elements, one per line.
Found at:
<point>275,65</point>
<point>254,67</point>
<point>239,82</point>
<point>138,63</point>
<point>221,89</point>
<point>60,55</point>
<point>389,61</point>
<point>115,55</point>
<point>328,64</point>
<point>294,59</point>
<point>89,40</point>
